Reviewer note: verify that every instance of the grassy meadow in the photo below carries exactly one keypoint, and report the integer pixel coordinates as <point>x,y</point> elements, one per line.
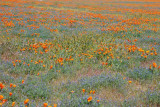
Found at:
<point>79,53</point>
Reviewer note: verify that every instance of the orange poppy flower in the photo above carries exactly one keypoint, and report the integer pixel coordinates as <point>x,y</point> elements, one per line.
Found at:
<point>45,104</point>
<point>10,94</point>
<point>89,99</point>
<point>61,64</point>
<point>130,81</point>
<point>154,65</point>
<point>83,90</point>
<point>14,85</point>
<point>155,53</point>
<point>94,92</point>
<point>2,86</point>
<point>90,91</point>
<point>13,103</point>
<point>55,105</point>
<point>46,51</point>
<point>51,66</point>
<point>26,101</point>
<point>150,66</point>
<point>98,101</point>
<point>14,65</point>
<point>1,97</point>
<point>22,81</point>
<point>145,57</point>
<point>4,100</point>
<point>151,53</point>
<point>72,91</point>
<point>11,85</point>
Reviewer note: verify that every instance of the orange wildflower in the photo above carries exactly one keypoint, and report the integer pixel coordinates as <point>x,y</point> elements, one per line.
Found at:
<point>13,103</point>
<point>83,90</point>
<point>145,57</point>
<point>10,94</point>
<point>72,91</point>
<point>46,51</point>
<point>26,101</point>
<point>22,81</point>
<point>159,67</point>
<point>11,85</point>
<point>89,99</point>
<point>14,64</point>
<point>154,65</point>
<point>130,81</point>
<point>55,105</point>
<point>151,53</point>
<point>150,66</point>
<point>2,86</point>
<point>155,53</point>
<point>14,85</point>
<point>4,100</point>
<point>1,97</point>
<point>103,63</point>
<point>45,104</point>
<point>51,66</point>
<point>135,40</point>
<point>94,92</point>
<point>98,101</point>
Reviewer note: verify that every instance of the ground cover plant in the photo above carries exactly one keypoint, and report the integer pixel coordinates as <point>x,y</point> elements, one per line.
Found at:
<point>79,53</point>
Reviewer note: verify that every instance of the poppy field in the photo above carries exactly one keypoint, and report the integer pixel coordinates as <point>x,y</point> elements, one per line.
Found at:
<point>79,53</point>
